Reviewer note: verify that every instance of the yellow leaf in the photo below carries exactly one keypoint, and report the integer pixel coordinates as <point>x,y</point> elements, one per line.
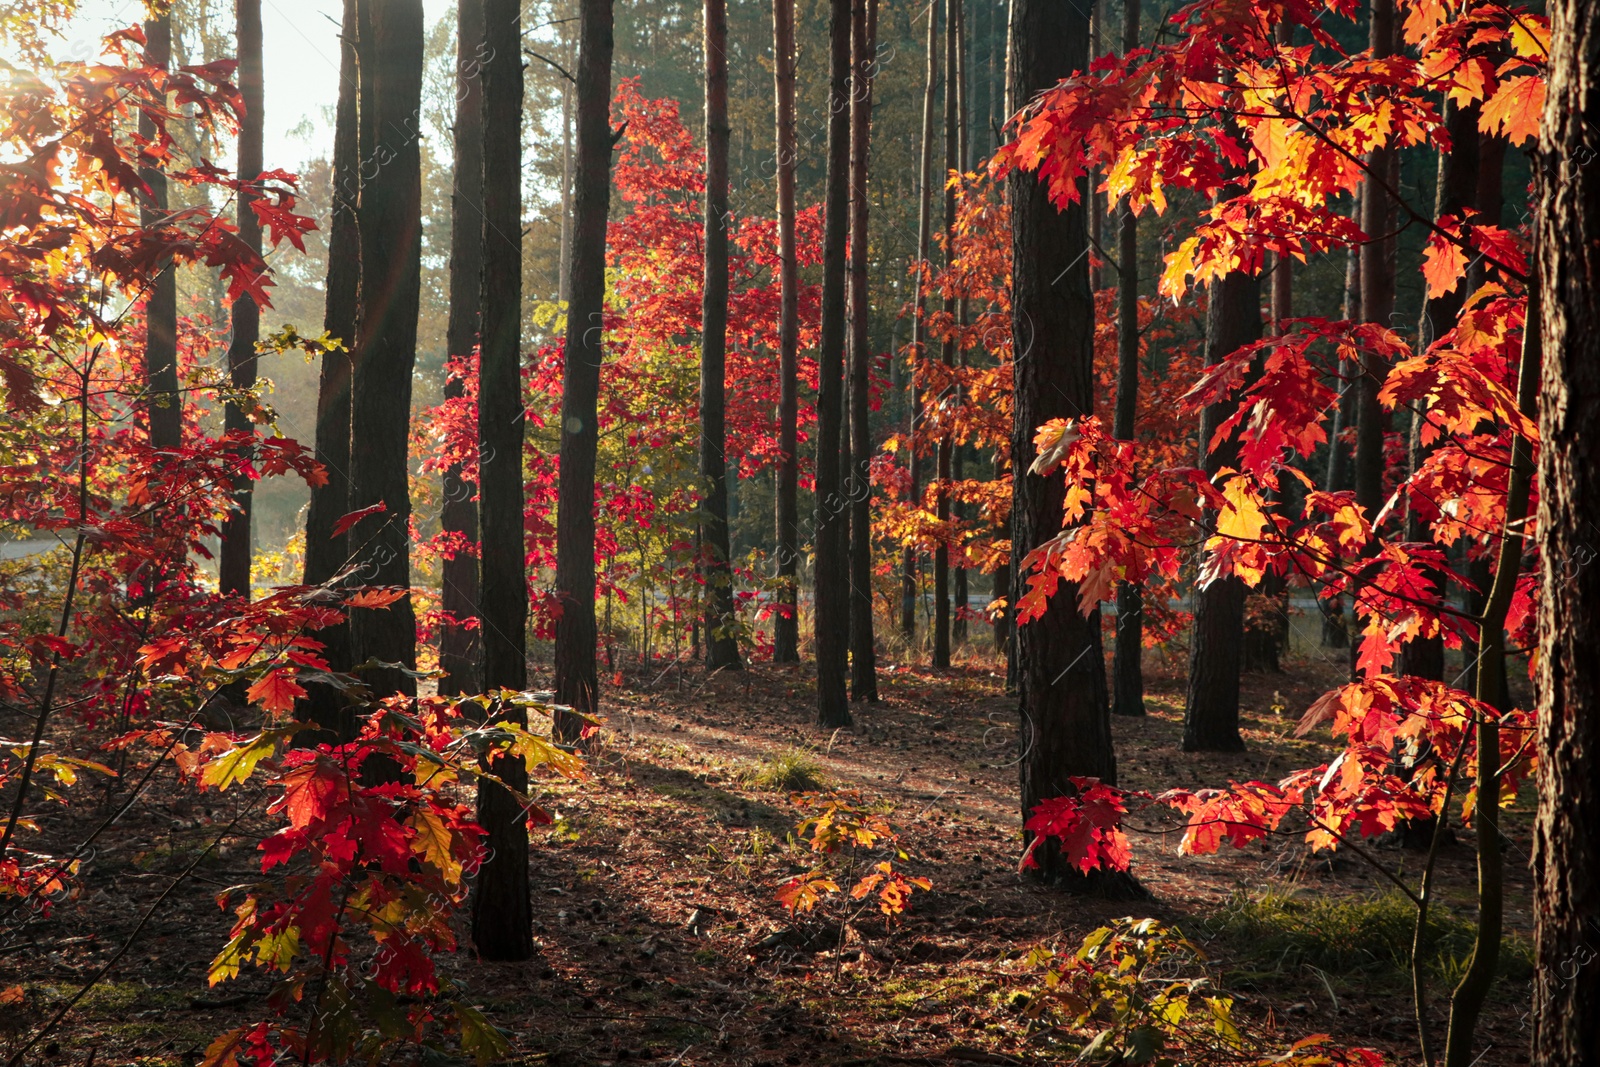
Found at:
<point>433,843</point>
<point>1242,519</point>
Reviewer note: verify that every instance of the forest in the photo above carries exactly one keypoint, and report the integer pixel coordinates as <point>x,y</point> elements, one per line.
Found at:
<point>769,532</point>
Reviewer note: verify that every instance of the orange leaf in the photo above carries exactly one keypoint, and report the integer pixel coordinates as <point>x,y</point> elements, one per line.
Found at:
<point>376,598</point>
<point>276,690</point>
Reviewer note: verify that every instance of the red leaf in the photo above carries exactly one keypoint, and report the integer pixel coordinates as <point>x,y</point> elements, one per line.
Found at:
<point>277,690</point>
<point>342,527</point>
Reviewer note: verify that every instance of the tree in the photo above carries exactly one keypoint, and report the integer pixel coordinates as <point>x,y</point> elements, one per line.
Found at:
<point>1127,671</point>
<point>390,219</point>
<point>1566,865</point>
<point>722,645</point>
<point>831,617</point>
<point>458,595</point>
<point>909,563</point>
<point>233,563</point>
<point>858,487</point>
<point>786,621</point>
<point>326,551</point>
<point>576,680</point>
<point>165,407</point>
<point>502,921</point>
<point>1060,671</point>
<point>943,471</point>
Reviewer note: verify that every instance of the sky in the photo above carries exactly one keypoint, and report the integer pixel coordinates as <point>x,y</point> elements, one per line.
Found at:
<point>300,53</point>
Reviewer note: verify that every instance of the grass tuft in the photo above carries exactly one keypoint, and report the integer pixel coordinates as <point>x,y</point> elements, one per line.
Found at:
<point>794,770</point>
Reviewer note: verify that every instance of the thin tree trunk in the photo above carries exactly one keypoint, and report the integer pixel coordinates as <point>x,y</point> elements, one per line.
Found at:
<point>958,579</point>
<point>863,656</point>
<point>786,625</point>
<point>386,346</point>
<point>1266,628</point>
<point>576,680</point>
<point>1211,716</point>
<point>326,554</point>
<point>1566,866</point>
<point>947,353</point>
<point>233,562</point>
<point>722,646</point>
<point>502,920</point>
<point>910,561</point>
<point>1060,671</point>
<point>564,263</point>
<point>1335,631</point>
<point>831,617</point>
<point>458,645</point>
<point>1127,661</point>
<point>165,403</point>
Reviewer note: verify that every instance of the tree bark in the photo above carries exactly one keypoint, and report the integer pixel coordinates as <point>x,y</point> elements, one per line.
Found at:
<point>1127,661</point>
<point>1060,670</point>
<point>1335,630</point>
<point>947,353</point>
<point>164,416</point>
<point>722,645</point>
<point>326,555</point>
<point>576,680</point>
<point>858,487</point>
<point>910,561</point>
<point>959,594</point>
<point>233,561</point>
<point>1566,983</point>
<point>458,645</point>
<point>390,219</point>
<point>786,624</point>
<point>1211,716</point>
<point>831,617</point>
<point>502,921</point>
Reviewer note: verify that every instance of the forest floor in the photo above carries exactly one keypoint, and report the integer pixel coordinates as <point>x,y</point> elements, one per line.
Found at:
<point>659,939</point>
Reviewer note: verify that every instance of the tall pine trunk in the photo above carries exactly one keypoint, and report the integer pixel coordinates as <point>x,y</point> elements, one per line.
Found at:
<point>576,680</point>
<point>386,340</point>
<point>1211,716</point>
<point>786,624</point>
<point>1065,722</point>
<point>722,645</point>
<point>910,562</point>
<point>831,617</point>
<point>1335,630</point>
<point>947,355</point>
<point>502,922</point>
<point>233,562</point>
<point>1127,662</point>
<point>1566,984</point>
<point>458,645</point>
<point>164,415</point>
<point>863,656</point>
<point>958,577</point>
<point>327,554</point>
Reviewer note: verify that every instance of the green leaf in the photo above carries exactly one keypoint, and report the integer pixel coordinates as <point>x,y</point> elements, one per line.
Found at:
<point>480,1040</point>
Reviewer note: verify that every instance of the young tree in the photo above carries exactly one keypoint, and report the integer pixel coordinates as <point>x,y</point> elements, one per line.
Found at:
<point>1566,985</point>
<point>390,219</point>
<point>786,622</point>
<point>722,645</point>
<point>1127,670</point>
<point>502,922</point>
<point>1060,671</point>
<point>233,563</point>
<point>458,645</point>
<point>576,680</point>
<point>326,552</point>
<point>1211,715</point>
<point>863,656</point>
<point>909,563</point>
<point>165,404</point>
<point>831,617</point>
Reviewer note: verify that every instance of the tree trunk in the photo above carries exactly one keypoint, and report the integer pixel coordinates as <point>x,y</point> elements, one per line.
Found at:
<point>233,562</point>
<point>326,554</point>
<point>502,921</point>
<point>910,563</point>
<point>722,645</point>
<point>1335,629</point>
<point>947,352</point>
<point>1065,727</point>
<point>164,416</point>
<point>786,624</point>
<point>1566,983</point>
<point>958,578</point>
<point>576,681</point>
<point>863,656</point>
<point>386,346</point>
<point>1127,666</point>
<point>458,645</point>
<point>831,617</point>
<point>1266,626</point>
<point>1211,717</point>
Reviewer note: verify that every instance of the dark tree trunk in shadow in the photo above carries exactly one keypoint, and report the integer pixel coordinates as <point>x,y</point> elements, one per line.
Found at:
<point>858,487</point>
<point>164,410</point>
<point>786,623</point>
